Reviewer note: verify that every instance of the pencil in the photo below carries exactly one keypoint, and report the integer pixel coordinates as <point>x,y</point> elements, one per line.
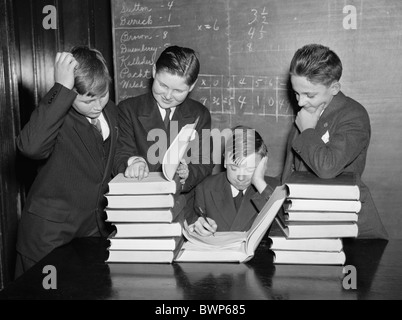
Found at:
<point>201,213</point>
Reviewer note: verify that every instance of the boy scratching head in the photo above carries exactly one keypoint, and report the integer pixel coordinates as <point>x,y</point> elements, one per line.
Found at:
<point>84,70</point>
<point>91,76</point>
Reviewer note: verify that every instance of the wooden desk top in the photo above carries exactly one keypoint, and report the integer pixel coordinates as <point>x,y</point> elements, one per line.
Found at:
<point>82,274</point>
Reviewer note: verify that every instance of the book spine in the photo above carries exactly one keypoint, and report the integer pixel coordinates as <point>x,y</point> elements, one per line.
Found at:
<point>140,202</point>
<point>145,188</point>
<point>147,230</point>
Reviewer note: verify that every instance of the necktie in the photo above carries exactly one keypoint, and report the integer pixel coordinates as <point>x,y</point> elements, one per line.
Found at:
<point>97,124</point>
<point>238,199</point>
<point>167,118</point>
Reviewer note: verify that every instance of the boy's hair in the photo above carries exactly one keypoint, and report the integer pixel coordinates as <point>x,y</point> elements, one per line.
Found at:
<point>179,61</point>
<point>244,142</point>
<point>317,63</point>
<point>91,75</point>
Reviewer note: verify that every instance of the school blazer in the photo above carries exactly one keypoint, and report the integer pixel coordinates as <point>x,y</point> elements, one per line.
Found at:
<point>339,143</point>
<point>214,196</point>
<point>69,188</point>
<point>139,115</point>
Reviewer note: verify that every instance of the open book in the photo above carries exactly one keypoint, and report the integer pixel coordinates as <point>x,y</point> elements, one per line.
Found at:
<point>231,246</point>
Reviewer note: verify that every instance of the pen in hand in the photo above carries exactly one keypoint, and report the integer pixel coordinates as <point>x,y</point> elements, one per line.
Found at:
<point>201,213</point>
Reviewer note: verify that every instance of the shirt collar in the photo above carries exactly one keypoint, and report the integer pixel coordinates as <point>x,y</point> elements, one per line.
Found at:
<point>235,192</point>
<point>163,112</point>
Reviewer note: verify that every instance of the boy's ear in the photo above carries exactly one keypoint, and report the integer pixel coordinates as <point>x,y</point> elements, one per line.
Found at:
<point>153,71</point>
<point>335,88</point>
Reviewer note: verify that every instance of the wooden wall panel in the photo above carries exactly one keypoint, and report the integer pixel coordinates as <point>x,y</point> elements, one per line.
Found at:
<point>9,118</point>
<point>26,74</point>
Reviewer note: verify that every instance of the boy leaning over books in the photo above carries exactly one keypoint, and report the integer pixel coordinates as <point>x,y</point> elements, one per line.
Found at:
<point>332,132</point>
<point>166,106</point>
<point>231,200</point>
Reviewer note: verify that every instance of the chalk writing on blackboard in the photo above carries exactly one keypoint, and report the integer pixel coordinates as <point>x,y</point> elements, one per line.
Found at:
<point>244,95</point>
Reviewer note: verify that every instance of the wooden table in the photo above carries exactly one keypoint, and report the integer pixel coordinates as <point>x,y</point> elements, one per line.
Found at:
<point>82,274</point>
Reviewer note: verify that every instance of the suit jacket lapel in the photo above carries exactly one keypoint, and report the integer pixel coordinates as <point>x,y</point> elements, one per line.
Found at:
<point>223,200</point>
<point>149,115</point>
<point>112,122</point>
<point>329,113</point>
<point>289,162</point>
<point>246,211</point>
<point>183,115</point>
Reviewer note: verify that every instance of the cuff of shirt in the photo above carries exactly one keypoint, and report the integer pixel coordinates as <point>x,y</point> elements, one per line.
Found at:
<point>131,160</point>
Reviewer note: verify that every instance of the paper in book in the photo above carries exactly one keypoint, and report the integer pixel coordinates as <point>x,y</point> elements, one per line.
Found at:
<point>232,245</point>
<point>222,239</point>
<point>176,150</point>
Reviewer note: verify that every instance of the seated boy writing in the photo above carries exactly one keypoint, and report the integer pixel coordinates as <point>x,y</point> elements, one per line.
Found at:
<point>66,199</point>
<point>332,132</point>
<point>231,200</point>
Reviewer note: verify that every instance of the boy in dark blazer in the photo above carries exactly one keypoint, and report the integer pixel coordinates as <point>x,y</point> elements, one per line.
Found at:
<point>66,199</point>
<point>332,132</point>
<point>231,200</point>
<point>149,122</point>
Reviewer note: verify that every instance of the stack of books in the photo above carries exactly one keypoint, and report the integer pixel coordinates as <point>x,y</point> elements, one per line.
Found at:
<point>148,229</point>
<point>148,220</point>
<point>317,214</point>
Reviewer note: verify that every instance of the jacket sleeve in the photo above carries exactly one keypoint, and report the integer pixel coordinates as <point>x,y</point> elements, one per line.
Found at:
<point>38,137</point>
<point>347,140</point>
<point>199,201</point>
<point>126,144</point>
<point>260,199</point>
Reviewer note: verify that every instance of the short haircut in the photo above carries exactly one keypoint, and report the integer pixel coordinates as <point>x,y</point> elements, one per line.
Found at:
<point>179,61</point>
<point>91,75</point>
<point>317,63</point>
<point>244,142</point>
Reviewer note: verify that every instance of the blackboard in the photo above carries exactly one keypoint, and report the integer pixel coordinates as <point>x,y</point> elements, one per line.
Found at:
<point>245,47</point>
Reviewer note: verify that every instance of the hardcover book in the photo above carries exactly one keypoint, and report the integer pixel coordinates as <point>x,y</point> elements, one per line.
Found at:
<point>232,246</point>
<point>306,185</point>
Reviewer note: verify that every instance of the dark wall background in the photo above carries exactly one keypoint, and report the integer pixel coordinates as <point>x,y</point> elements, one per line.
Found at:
<point>26,73</point>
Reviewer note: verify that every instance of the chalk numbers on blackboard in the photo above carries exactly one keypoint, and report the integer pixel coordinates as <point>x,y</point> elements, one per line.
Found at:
<point>257,23</point>
<point>244,95</point>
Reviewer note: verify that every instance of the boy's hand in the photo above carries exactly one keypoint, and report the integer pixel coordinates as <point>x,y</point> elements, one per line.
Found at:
<point>306,120</point>
<point>258,179</point>
<point>183,171</point>
<point>138,169</point>
<point>204,229</point>
<point>64,69</point>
